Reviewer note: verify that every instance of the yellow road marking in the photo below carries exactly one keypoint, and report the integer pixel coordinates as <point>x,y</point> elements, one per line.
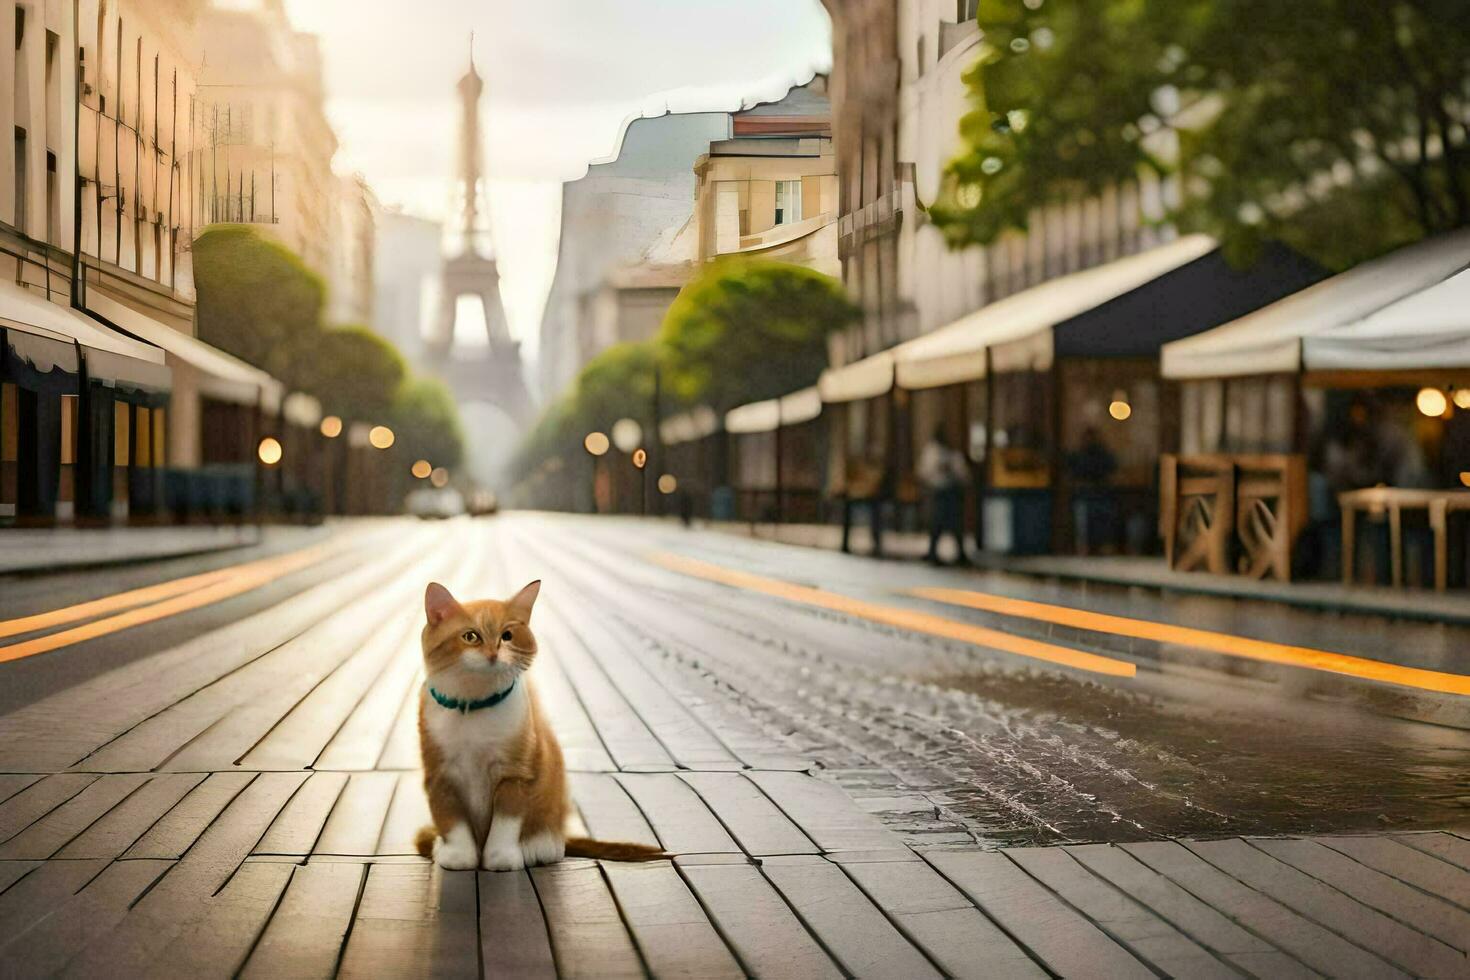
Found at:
<point>112,603</point>
<point>918,622</point>
<point>1230,645</point>
<point>219,586</point>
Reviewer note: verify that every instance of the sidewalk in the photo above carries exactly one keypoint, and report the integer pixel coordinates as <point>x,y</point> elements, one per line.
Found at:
<point>1141,572</point>
<point>36,550</point>
<point>245,804</point>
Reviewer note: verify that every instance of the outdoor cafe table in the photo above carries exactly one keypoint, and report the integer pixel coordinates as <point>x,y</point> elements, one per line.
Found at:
<point>1394,500</point>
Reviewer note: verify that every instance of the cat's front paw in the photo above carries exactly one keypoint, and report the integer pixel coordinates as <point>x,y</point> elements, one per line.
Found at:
<point>543,848</point>
<point>503,858</point>
<point>457,851</point>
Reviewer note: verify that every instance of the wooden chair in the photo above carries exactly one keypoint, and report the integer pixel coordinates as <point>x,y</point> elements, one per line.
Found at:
<point>1270,512</point>
<point>1197,511</point>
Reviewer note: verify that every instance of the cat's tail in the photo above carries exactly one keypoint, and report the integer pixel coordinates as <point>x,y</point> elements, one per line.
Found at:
<point>423,841</point>
<point>607,850</point>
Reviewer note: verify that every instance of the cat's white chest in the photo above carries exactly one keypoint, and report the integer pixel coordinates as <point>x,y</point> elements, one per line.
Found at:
<point>474,744</point>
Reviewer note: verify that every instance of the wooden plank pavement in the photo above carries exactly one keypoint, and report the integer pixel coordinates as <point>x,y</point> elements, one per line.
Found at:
<point>248,808</point>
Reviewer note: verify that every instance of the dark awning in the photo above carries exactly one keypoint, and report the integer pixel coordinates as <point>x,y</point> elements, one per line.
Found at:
<point>1185,301</point>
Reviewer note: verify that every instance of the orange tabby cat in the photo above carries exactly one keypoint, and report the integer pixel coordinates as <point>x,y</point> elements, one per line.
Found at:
<point>492,767</point>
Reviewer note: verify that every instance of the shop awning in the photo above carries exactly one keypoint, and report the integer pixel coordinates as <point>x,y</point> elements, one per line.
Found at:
<point>756,417</point>
<point>1022,323</point>
<point>868,378</point>
<point>689,426</point>
<point>773,413</point>
<point>109,355</point>
<point>1430,329</point>
<point>301,409</point>
<point>222,376</point>
<point>1273,340</point>
<point>801,406</point>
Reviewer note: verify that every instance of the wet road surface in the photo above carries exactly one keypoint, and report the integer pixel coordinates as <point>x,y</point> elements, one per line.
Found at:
<point>946,741</point>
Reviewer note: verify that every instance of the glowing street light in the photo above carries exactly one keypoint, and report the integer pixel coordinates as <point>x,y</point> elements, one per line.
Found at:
<point>269,451</point>
<point>596,443</point>
<point>381,437</point>
<point>1431,402</point>
<point>667,483</point>
<point>331,427</point>
<point>640,458</point>
<point>1119,407</point>
<point>422,469</point>
<point>440,477</point>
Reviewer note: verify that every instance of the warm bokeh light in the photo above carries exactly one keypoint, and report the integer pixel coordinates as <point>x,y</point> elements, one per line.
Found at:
<point>640,458</point>
<point>331,427</point>
<point>1461,397</point>
<point>269,451</point>
<point>1431,402</point>
<point>1465,478</point>
<point>440,477</point>
<point>381,437</point>
<point>627,434</point>
<point>1120,410</point>
<point>596,443</point>
<point>422,469</point>
<point>667,483</point>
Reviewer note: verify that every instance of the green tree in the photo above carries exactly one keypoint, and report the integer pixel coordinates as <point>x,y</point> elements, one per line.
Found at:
<point>750,329</point>
<point>355,373</point>
<point>258,301</point>
<point>426,421</point>
<point>1338,126</point>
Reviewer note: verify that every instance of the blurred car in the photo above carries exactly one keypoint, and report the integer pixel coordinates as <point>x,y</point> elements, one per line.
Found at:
<point>483,503</point>
<point>432,503</point>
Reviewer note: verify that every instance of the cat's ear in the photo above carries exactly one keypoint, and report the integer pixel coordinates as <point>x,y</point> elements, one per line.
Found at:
<point>523,600</point>
<point>439,605</point>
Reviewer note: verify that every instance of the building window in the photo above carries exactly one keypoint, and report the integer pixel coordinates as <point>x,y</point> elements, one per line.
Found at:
<point>9,447</point>
<point>788,202</point>
<point>20,180</point>
<point>53,202</point>
<point>966,10</point>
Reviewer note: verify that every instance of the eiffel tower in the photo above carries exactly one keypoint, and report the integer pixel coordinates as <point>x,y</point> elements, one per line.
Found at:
<point>491,374</point>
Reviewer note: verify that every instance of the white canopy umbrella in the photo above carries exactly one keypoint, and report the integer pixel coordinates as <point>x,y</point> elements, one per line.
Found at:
<point>1273,339</point>
<point>1430,329</point>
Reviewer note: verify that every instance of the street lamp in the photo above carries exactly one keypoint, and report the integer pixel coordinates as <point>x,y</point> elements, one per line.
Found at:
<point>422,469</point>
<point>269,451</point>
<point>1119,407</point>
<point>331,427</point>
<point>381,437</point>
<point>596,443</point>
<point>1431,402</point>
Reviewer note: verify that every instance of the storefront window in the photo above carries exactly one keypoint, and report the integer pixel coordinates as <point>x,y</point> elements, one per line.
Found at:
<point>9,449</point>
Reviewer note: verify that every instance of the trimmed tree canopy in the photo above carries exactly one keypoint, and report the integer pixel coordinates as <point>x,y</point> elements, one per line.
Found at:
<point>1338,126</point>
<point>258,301</point>
<point>750,329</point>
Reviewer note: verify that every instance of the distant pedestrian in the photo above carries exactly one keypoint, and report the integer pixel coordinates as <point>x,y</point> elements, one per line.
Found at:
<point>1094,503</point>
<point>943,472</point>
<point>866,487</point>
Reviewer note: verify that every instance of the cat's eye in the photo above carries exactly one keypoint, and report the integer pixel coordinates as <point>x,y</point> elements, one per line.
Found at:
<point>470,636</point>
<point>506,636</point>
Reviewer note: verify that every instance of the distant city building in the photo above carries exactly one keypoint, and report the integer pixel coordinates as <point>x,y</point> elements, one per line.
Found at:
<point>627,210</point>
<point>350,288</point>
<point>771,188</point>
<point>262,129</point>
<point>407,257</point>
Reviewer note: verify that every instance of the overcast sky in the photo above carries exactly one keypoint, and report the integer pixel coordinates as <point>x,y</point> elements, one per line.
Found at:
<point>562,77</point>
